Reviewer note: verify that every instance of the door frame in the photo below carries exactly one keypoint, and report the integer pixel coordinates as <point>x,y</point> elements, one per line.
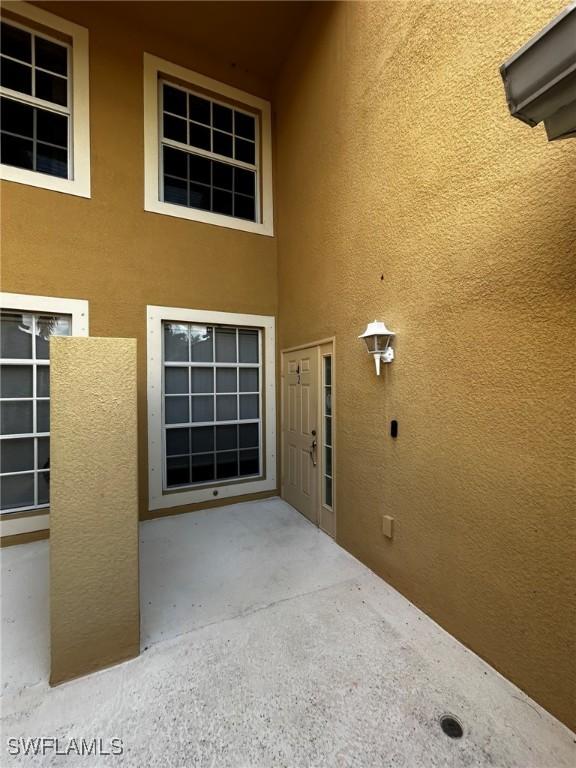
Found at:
<point>322,353</point>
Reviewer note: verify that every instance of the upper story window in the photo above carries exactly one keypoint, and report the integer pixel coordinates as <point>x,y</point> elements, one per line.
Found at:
<point>43,114</point>
<point>35,104</point>
<point>209,153</point>
<point>207,150</point>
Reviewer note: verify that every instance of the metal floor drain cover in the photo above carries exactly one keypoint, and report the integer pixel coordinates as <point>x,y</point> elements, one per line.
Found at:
<point>451,726</point>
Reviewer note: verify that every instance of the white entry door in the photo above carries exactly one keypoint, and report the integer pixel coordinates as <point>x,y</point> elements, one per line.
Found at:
<point>300,454</point>
<point>307,459</point>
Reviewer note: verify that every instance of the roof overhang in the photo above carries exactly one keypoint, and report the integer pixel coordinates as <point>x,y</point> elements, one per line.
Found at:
<point>540,78</point>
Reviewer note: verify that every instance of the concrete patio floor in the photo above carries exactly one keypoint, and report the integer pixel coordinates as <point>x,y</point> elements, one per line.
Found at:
<point>265,644</point>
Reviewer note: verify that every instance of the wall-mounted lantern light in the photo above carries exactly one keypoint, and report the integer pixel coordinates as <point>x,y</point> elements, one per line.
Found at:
<point>378,338</point>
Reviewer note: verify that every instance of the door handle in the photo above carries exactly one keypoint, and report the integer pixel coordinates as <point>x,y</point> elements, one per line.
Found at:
<point>312,452</point>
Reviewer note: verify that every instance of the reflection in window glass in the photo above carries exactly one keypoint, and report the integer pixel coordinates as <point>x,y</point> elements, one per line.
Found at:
<point>226,345</point>
<point>212,403</point>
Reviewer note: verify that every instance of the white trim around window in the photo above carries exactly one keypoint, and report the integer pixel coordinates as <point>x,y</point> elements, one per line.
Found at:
<point>78,182</point>
<point>156,70</point>
<point>28,521</point>
<point>159,498</point>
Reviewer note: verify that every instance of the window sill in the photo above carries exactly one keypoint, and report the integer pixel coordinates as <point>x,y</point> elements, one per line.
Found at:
<point>77,187</point>
<point>175,498</point>
<point>14,523</point>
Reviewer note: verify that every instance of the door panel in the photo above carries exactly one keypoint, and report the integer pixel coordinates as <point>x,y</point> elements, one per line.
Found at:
<point>293,471</point>
<point>292,408</point>
<point>305,427</point>
<point>301,420</point>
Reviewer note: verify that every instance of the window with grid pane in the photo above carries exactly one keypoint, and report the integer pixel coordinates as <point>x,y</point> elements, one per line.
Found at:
<point>212,388</point>
<point>35,109</point>
<point>25,407</point>
<point>209,154</point>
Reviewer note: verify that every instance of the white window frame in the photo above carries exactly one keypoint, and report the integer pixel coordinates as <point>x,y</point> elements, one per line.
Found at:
<point>163,499</point>
<point>78,182</point>
<point>30,520</point>
<point>156,69</point>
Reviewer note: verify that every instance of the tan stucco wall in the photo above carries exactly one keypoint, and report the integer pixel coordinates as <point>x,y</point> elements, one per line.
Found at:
<point>94,608</point>
<point>108,250</point>
<point>408,194</point>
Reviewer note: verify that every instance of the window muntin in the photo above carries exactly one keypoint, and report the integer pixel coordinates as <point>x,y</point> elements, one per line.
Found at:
<point>208,154</point>
<point>25,406</point>
<point>35,110</point>
<point>212,409</point>
<point>327,485</point>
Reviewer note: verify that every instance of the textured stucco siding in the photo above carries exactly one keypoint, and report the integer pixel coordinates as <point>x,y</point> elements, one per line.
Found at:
<point>108,249</point>
<point>94,608</point>
<point>407,193</point>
